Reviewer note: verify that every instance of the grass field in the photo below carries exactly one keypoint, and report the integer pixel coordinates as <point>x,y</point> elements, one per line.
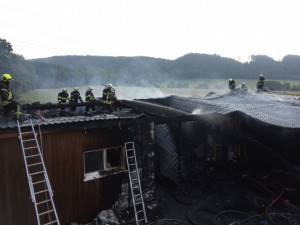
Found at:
<point>218,86</point>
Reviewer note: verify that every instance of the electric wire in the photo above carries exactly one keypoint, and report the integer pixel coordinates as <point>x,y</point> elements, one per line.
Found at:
<point>228,211</point>
<point>260,215</point>
<point>267,189</point>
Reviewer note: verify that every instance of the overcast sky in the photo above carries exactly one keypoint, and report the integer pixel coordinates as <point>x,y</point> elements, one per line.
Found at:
<point>156,28</point>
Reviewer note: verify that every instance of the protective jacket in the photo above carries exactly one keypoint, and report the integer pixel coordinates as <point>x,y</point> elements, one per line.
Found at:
<point>89,96</point>
<point>75,96</point>
<point>63,97</point>
<point>231,85</point>
<point>5,93</point>
<point>244,87</point>
<point>106,96</point>
<point>261,81</point>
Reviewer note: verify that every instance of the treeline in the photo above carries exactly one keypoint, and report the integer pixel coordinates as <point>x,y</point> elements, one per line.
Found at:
<point>146,71</point>
<point>68,71</point>
<point>23,72</point>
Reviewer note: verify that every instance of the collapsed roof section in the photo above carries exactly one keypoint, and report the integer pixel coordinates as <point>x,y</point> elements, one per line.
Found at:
<point>267,108</point>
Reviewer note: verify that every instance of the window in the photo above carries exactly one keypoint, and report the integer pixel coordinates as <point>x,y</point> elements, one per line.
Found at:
<point>103,162</point>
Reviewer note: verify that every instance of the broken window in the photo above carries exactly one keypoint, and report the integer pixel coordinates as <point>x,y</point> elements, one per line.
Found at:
<point>102,162</point>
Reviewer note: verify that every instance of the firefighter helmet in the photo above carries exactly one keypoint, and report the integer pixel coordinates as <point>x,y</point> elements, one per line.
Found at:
<point>64,90</point>
<point>260,75</point>
<point>243,83</point>
<point>230,79</point>
<point>76,89</point>
<point>6,77</point>
<point>90,88</point>
<point>109,85</point>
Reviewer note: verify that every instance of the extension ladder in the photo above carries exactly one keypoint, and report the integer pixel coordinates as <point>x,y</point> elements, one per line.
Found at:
<point>135,184</point>
<point>39,185</point>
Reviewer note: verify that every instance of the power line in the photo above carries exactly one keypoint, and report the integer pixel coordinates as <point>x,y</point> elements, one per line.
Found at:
<point>20,10</point>
<point>34,31</point>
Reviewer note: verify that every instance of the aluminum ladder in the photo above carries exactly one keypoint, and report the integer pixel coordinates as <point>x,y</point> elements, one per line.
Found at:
<point>39,185</point>
<point>135,184</point>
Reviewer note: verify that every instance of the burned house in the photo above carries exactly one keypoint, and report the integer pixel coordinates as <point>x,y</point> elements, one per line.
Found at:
<point>178,140</point>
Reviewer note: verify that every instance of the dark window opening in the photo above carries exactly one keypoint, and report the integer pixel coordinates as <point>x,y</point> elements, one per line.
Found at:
<point>114,157</point>
<point>93,161</point>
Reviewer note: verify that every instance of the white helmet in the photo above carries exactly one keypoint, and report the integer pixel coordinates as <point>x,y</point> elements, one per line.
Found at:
<point>109,85</point>
<point>261,75</point>
<point>76,89</point>
<point>243,83</point>
<point>230,79</point>
<point>90,88</point>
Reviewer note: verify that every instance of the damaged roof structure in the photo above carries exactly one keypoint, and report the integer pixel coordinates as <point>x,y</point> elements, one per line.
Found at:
<point>224,159</point>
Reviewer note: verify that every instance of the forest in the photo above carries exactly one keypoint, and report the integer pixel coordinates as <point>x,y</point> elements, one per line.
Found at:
<point>66,71</point>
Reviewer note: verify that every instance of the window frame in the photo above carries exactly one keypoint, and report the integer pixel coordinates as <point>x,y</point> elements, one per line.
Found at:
<point>106,170</point>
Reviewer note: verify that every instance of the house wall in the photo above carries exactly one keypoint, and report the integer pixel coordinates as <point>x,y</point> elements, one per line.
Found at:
<point>75,200</point>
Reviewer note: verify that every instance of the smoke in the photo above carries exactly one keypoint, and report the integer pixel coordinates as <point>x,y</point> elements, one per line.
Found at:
<point>197,111</point>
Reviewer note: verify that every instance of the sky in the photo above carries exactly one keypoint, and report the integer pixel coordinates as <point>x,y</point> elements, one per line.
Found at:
<point>156,28</point>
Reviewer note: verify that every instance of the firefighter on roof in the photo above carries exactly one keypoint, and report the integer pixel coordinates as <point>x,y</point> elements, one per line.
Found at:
<point>7,99</point>
<point>75,96</point>
<point>108,97</point>
<point>260,84</point>
<point>62,98</point>
<point>244,87</point>
<point>90,98</point>
<point>231,84</point>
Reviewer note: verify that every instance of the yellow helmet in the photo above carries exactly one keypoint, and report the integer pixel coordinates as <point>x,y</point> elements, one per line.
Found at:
<point>64,90</point>
<point>6,77</point>
<point>230,79</point>
<point>109,85</point>
<point>90,88</point>
<point>76,89</point>
<point>261,75</point>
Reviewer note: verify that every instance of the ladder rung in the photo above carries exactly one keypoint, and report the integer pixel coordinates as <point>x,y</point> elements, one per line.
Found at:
<point>31,147</point>
<point>54,221</point>
<point>29,140</point>
<point>141,219</point>
<point>136,195</point>
<point>29,132</point>
<point>139,211</point>
<point>135,187</point>
<point>131,149</point>
<point>43,202</point>
<point>32,155</point>
<point>46,212</point>
<point>35,164</point>
<point>40,192</point>
<point>39,182</point>
<point>130,157</point>
<point>36,173</point>
<point>138,203</point>
<point>133,171</point>
<point>134,179</point>
<point>132,164</point>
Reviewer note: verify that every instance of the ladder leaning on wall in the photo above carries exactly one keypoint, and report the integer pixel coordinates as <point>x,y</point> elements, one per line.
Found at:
<point>39,185</point>
<point>135,184</point>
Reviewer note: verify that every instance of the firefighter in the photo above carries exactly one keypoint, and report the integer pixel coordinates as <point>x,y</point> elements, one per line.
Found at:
<point>244,87</point>
<point>90,98</point>
<point>260,84</point>
<point>75,96</point>
<point>62,98</point>
<point>107,98</point>
<point>231,84</point>
<point>7,99</point>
